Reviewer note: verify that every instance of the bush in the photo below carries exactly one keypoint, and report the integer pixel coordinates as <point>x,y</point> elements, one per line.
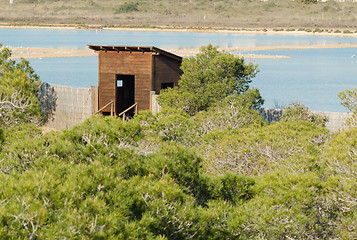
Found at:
<point>19,102</point>
<point>176,125</point>
<point>233,112</point>
<point>207,79</point>
<point>2,138</point>
<point>242,179</point>
<point>258,150</point>
<point>308,1</point>
<point>349,100</point>
<point>340,154</point>
<point>127,8</point>
<point>299,112</point>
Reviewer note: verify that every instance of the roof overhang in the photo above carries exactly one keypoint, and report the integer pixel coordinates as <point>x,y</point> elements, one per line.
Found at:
<point>151,49</point>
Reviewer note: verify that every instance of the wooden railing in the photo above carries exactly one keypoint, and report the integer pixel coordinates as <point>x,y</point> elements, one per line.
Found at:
<point>111,103</point>
<point>122,114</point>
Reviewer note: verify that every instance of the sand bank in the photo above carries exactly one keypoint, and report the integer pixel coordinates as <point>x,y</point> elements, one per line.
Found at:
<point>33,53</point>
<point>38,53</point>
<point>263,31</point>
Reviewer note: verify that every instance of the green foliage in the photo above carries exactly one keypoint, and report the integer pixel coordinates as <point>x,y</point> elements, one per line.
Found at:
<point>295,205</point>
<point>221,174</point>
<point>2,138</point>
<point>299,112</point>
<point>340,154</point>
<point>176,125</point>
<point>18,91</point>
<point>233,112</point>
<point>207,79</point>
<point>85,183</point>
<point>257,150</point>
<point>127,8</point>
<point>308,1</point>
<point>349,100</point>
<point>233,188</point>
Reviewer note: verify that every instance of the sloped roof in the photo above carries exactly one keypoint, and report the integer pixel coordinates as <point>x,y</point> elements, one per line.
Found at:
<point>135,49</point>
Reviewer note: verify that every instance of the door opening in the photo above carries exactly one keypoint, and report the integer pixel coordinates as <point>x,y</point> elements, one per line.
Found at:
<point>125,95</point>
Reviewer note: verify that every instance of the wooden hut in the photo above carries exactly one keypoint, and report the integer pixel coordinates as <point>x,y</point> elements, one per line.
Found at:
<point>129,74</point>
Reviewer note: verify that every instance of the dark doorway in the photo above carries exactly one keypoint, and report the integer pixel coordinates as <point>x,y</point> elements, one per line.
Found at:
<point>125,93</point>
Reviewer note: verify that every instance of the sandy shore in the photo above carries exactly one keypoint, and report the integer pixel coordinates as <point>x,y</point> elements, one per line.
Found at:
<point>32,53</point>
<point>263,31</point>
<point>38,53</point>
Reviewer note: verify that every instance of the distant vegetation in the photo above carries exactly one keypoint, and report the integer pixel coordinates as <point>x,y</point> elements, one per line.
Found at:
<point>127,8</point>
<point>308,1</point>
<point>220,173</point>
<point>242,14</point>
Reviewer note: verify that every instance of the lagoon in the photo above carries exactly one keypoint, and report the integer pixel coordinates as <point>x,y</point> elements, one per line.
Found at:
<point>313,77</point>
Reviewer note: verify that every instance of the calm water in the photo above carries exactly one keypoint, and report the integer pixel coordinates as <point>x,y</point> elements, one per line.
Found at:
<point>313,77</point>
<point>79,39</point>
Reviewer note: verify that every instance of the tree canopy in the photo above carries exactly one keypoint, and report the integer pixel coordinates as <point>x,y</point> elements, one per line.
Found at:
<point>19,85</point>
<point>208,78</point>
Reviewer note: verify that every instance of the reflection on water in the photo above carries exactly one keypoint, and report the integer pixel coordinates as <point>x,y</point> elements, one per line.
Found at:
<point>313,77</point>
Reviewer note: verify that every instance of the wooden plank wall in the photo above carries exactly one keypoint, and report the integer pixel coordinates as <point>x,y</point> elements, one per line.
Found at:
<point>166,70</point>
<point>125,63</point>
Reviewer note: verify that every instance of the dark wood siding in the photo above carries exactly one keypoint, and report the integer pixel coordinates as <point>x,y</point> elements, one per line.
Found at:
<point>106,89</point>
<point>166,70</point>
<point>112,63</point>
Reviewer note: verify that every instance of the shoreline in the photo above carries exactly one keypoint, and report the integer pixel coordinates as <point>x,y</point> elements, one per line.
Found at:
<point>39,53</point>
<point>262,31</point>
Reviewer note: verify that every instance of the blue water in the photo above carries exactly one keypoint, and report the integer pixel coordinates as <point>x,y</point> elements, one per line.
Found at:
<point>74,71</point>
<point>79,39</point>
<point>312,77</point>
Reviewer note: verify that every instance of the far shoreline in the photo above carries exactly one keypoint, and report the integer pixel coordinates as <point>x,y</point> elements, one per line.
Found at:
<point>262,31</point>
<point>39,53</point>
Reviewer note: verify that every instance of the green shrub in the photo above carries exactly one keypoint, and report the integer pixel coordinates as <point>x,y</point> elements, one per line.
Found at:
<point>207,79</point>
<point>308,1</point>
<point>258,150</point>
<point>288,204</point>
<point>299,112</point>
<point>339,154</point>
<point>242,179</point>
<point>127,8</point>
<point>349,100</point>
<point>2,139</point>
<point>176,125</point>
<point>233,112</point>
<point>18,87</point>
<point>19,149</point>
<point>232,188</point>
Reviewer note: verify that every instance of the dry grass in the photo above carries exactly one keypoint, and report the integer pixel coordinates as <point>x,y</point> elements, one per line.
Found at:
<point>186,13</point>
